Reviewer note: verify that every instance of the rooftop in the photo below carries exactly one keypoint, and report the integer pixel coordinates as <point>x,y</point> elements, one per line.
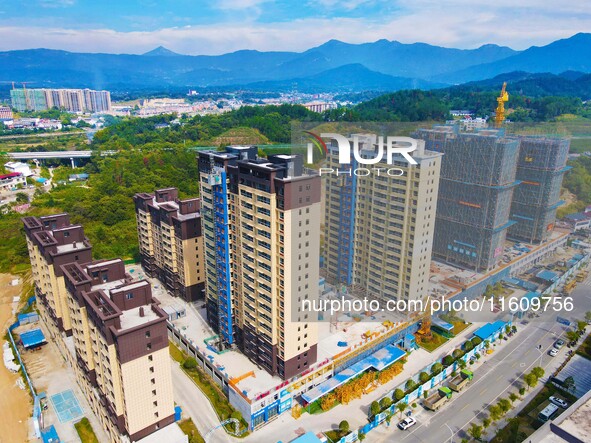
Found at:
<point>70,247</point>
<point>135,317</point>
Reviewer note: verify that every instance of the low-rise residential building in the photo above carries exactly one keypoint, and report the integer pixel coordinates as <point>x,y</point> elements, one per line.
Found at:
<point>6,113</point>
<point>21,167</point>
<point>170,241</point>
<point>12,180</point>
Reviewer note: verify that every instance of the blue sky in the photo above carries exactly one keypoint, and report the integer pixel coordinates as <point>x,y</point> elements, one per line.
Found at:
<point>213,27</point>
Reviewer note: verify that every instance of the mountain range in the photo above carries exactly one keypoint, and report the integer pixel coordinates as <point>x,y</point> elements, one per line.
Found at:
<point>333,66</point>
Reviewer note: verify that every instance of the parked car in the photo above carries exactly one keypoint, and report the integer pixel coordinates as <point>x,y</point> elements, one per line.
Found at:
<point>553,352</point>
<point>407,423</point>
<point>559,344</point>
<point>559,402</point>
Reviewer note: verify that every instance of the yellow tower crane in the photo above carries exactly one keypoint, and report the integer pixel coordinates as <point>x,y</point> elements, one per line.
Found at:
<point>500,111</point>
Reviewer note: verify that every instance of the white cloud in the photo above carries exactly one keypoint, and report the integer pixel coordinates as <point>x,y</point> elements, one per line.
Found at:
<point>56,3</point>
<point>452,23</point>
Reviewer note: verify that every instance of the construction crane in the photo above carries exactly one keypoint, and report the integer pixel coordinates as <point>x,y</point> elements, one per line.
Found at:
<point>27,100</point>
<point>500,111</point>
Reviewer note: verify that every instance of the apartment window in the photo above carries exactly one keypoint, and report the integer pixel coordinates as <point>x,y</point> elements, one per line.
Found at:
<point>151,369</point>
<point>150,357</point>
<point>147,334</point>
<point>153,381</point>
<point>66,234</point>
<point>154,392</point>
<point>149,346</point>
<point>155,414</point>
<point>155,403</point>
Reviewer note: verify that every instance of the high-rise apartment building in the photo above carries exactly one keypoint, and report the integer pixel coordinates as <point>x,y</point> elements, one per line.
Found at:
<point>540,169</point>
<point>109,327</point>
<point>170,241</point>
<point>261,224</point>
<point>475,194</point>
<point>379,224</point>
<point>71,100</point>
<point>121,349</point>
<point>52,241</point>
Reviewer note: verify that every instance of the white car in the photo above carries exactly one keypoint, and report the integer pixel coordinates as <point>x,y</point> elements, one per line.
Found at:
<point>553,352</point>
<point>407,423</point>
<point>559,402</point>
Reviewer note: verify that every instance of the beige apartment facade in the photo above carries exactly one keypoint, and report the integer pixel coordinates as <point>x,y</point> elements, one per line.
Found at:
<point>265,264</point>
<point>170,241</point>
<point>379,222</point>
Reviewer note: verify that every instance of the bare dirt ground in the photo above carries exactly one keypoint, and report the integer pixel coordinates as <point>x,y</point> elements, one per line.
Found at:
<point>15,403</point>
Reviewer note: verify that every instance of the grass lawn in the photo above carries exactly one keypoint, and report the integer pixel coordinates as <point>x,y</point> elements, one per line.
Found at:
<point>525,423</point>
<point>459,326</point>
<point>433,343</point>
<point>189,428</point>
<point>85,431</point>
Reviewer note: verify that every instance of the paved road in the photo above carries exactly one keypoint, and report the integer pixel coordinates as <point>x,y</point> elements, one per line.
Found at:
<point>496,378</point>
<point>196,405</point>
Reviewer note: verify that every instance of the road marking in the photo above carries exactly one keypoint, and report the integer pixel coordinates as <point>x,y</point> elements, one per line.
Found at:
<point>483,391</point>
<point>465,406</point>
<point>499,377</point>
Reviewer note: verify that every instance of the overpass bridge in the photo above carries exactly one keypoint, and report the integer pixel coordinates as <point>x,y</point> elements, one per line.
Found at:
<point>39,155</point>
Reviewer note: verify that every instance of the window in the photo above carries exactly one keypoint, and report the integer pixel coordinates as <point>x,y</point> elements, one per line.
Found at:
<point>151,369</point>
<point>149,346</point>
<point>153,381</point>
<point>150,357</point>
<point>147,334</point>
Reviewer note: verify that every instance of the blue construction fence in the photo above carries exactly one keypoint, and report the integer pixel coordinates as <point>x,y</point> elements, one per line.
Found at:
<point>418,392</point>
<point>37,411</point>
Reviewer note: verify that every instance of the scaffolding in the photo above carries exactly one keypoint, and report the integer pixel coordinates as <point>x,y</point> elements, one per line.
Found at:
<point>476,188</point>
<point>540,169</point>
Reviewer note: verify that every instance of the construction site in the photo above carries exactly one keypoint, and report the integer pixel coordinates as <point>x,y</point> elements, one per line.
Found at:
<point>475,192</point>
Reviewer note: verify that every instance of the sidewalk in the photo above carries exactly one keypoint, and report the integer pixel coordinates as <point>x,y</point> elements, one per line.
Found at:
<point>287,428</point>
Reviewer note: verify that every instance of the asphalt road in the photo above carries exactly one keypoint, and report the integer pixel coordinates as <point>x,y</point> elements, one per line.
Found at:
<point>497,377</point>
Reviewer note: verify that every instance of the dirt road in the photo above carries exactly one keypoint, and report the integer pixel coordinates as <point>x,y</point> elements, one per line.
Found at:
<point>15,404</point>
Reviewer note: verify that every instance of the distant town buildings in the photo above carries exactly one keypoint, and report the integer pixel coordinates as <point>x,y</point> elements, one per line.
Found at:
<point>261,223</point>
<point>5,113</point>
<point>71,100</point>
<point>23,168</point>
<point>108,326</point>
<point>11,181</point>
<point>379,228</point>
<point>171,241</point>
<point>469,124</point>
<point>319,107</point>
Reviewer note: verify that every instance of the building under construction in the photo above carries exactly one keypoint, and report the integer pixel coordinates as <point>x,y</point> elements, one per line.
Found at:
<point>540,170</point>
<point>473,206</point>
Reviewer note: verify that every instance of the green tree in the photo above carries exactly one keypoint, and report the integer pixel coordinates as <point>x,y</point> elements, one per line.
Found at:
<point>505,405</point>
<point>22,198</point>
<point>569,384</point>
<point>495,412</point>
<point>374,408</point>
<point>410,385</point>
<point>513,397</point>
<point>401,406</point>
<point>581,325</point>
<point>447,360</point>
<point>398,394</point>
<point>538,371</point>
<point>468,346</point>
<point>436,368</point>
<point>530,380</point>
<point>475,431</point>
<point>476,341</point>
<point>486,422</point>
<point>457,353</point>
<point>385,403</point>
<point>572,336</point>
<point>424,377</point>
<point>588,316</point>
<point>344,427</point>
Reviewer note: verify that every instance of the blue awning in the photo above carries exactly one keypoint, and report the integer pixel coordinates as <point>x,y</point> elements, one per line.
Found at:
<point>547,275</point>
<point>487,331</point>
<point>33,338</point>
<point>378,360</point>
<point>436,321</point>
